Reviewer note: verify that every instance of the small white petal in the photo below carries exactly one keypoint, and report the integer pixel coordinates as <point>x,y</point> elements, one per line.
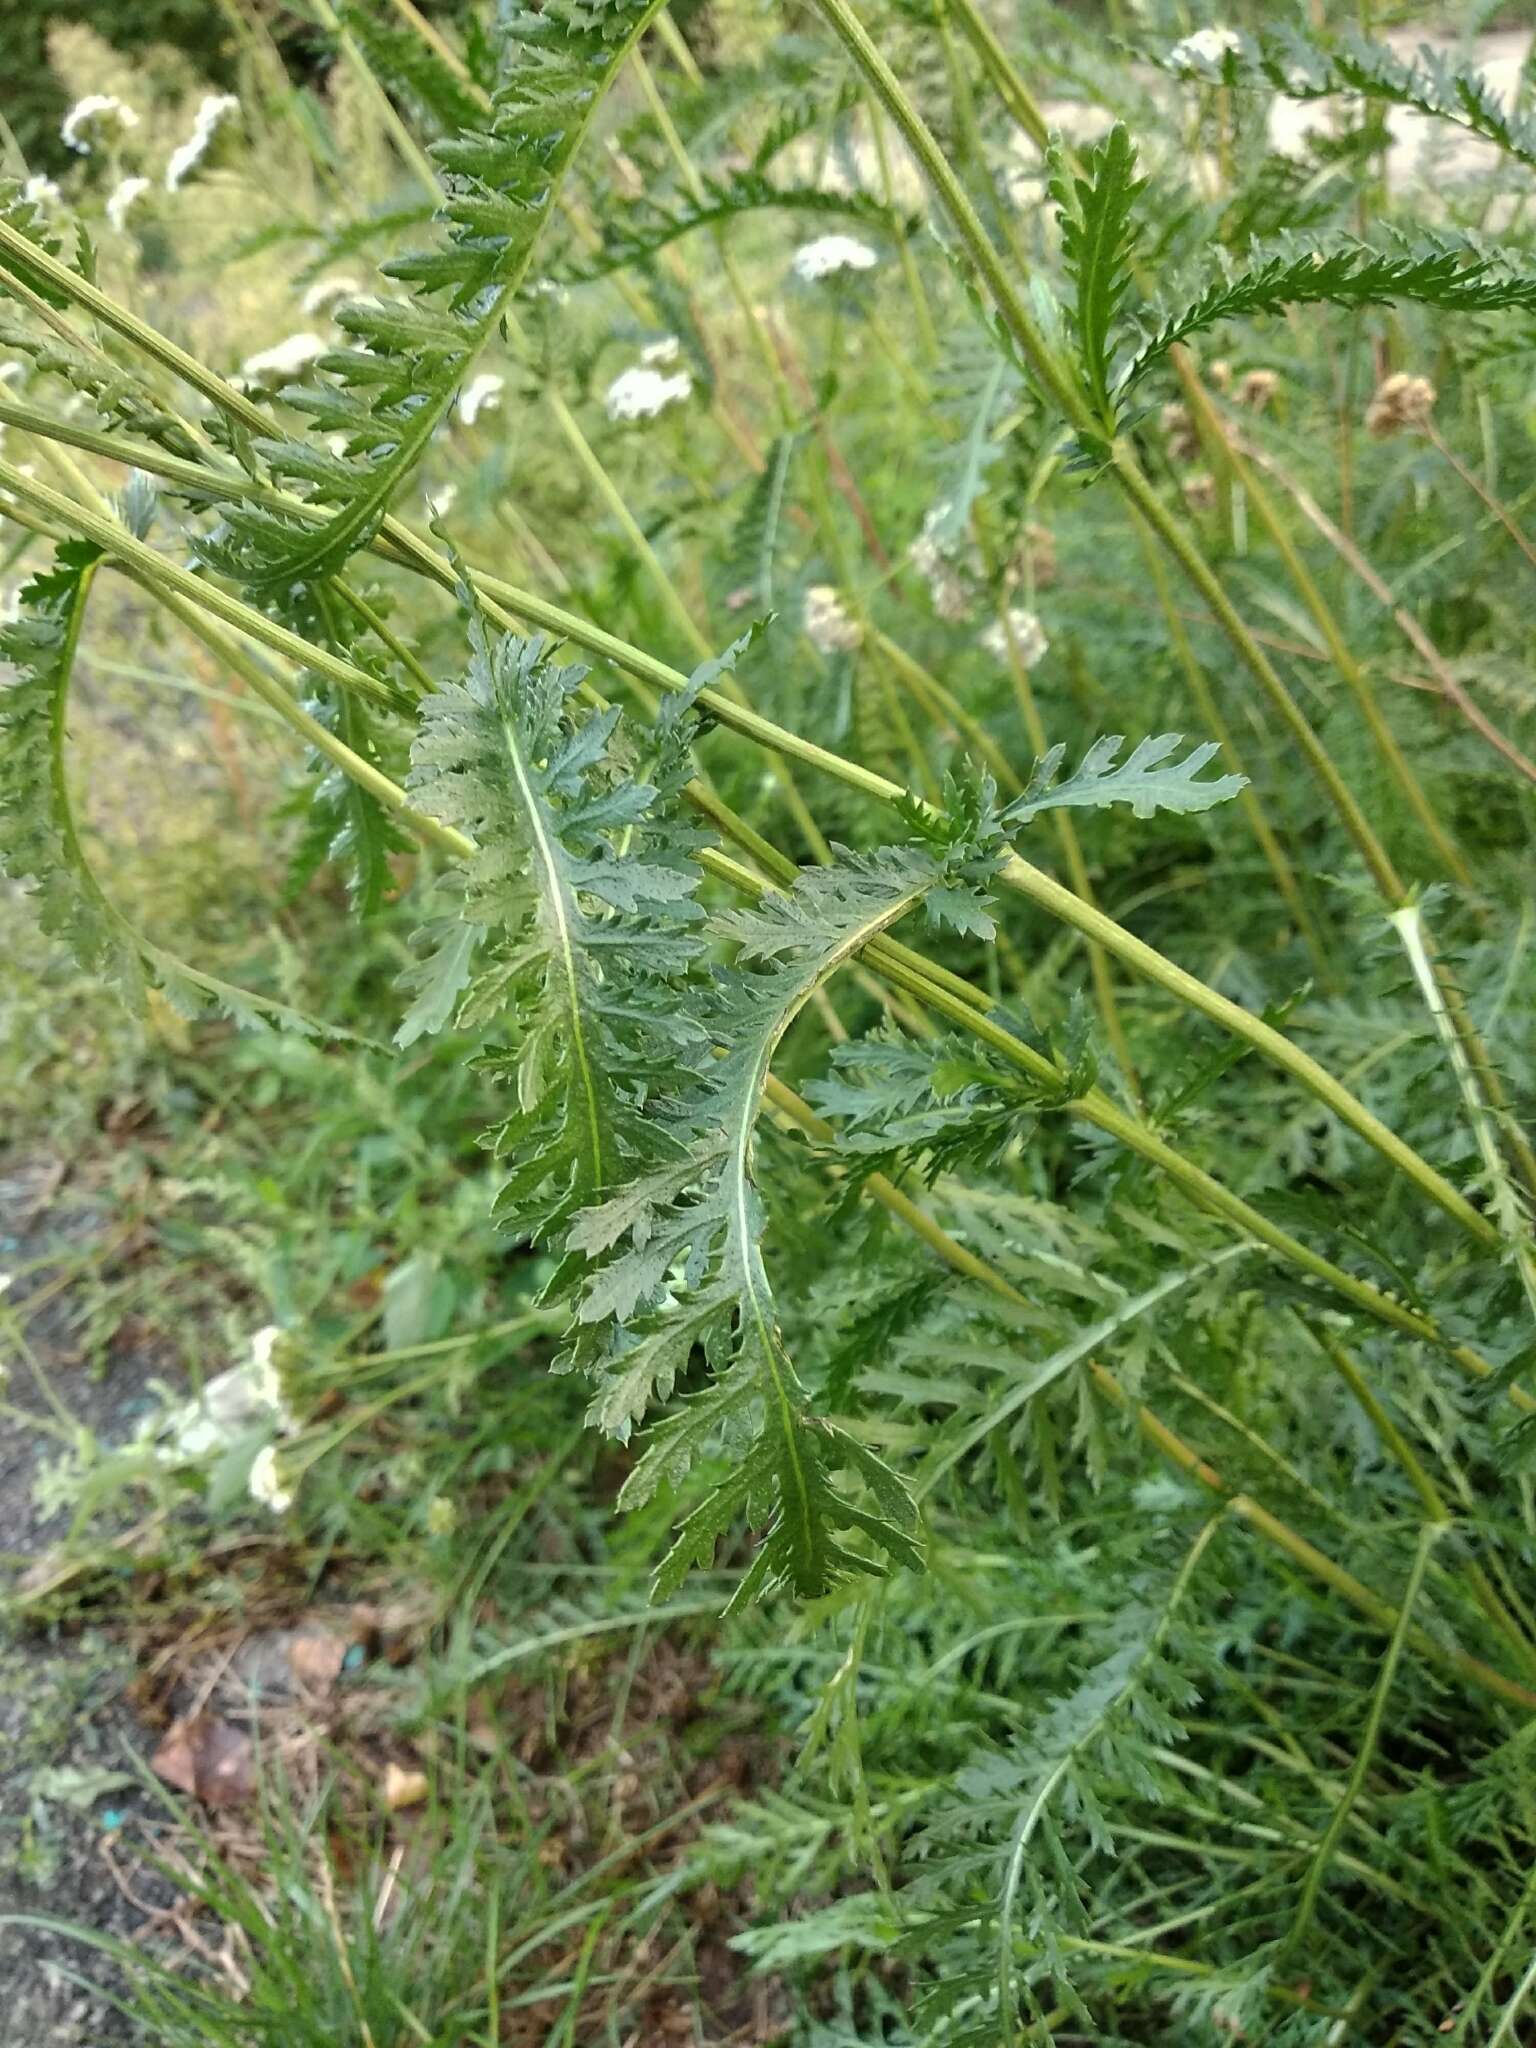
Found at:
<point>95,108</point>
<point>122,199</point>
<point>480,394</point>
<point>284,360</point>
<point>829,254</point>
<point>266,1487</point>
<point>827,624</point>
<point>1028,637</point>
<point>214,109</point>
<point>1205,46</point>
<point>641,393</point>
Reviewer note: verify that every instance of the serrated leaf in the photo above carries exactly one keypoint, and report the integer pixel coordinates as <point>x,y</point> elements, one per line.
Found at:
<point>1147,780</point>
<point>502,175</point>
<point>1098,241</point>
<point>568,874</point>
<point>1432,272</point>
<point>754,542</point>
<point>677,1264</point>
<point>39,839</point>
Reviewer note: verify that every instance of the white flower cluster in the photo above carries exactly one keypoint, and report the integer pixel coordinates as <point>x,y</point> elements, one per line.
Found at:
<point>480,394</point>
<point>122,199</point>
<point>216,107</point>
<point>248,1397</point>
<point>1027,635</point>
<point>827,624</point>
<point>284,359</point>
<point>94,110</point>
<point>1205,46</point>
<point>641,393</point>
<point>232,1402</point>
<point>948,580</point>
<point>829,254</point>
<point>265,1482</point>
<point>41,191</point>
<point>656,355</point>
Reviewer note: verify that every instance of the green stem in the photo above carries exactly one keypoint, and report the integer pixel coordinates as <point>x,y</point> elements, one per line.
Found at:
<point>1409,926</point>
<point>1339,652</point>
<point>1313,1561</point>
<point>1199,572</point>
<point>1338,1820</point>
<point>1412,1466</point>
<point>1097,1108</point>
<point>1072,853</point>
<point>990,265</point>
<point>1006,82</point>
<point>1279,863</point>
<point>1052,895</point>
<point>898,964</point>
<point>922,313</point>
<point>1016,872</point>
<point>116,541</point>
<point>1270,1527</point>
<point>627,524</point>
<point>271,693</point>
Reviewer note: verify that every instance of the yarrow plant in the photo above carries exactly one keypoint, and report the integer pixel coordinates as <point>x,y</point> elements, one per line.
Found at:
<point>1011,1057</point>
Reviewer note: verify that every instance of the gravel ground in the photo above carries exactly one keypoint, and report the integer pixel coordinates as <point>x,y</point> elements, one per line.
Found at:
<point>62,1691</point>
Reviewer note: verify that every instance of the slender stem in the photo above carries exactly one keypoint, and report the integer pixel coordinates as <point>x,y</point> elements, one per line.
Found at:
<point>1269,1526</point>
<point>1312,1560</point>
<point>388,793</point>
<point>385,634</point>
<point>116,541</point>
<point>1448,682</point>
<point>1052,895</point>
<point>1409,926</point>
<point>897,964</point>
<point>1072,853</point>
<point>1339,651</point>
<point>444,51</point>
<point>1253,810</point>
<point>1199,572</point>
<point>1435,1504</point>
<point>1006,82</point>
<point>922,314</point>
<point>1338,1820</point>
<point>421,164</point>
<point>634,536</point>
<point>1016,872</point>
<point>1097,1108</point>
<point>1490,501</point>
<point>983,253</point>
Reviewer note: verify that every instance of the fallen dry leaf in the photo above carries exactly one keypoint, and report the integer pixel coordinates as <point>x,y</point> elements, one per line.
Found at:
<point>209,1759</point>
<point>317,1659</point>
<point>403,1788</point>
<point>275,1663</point>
